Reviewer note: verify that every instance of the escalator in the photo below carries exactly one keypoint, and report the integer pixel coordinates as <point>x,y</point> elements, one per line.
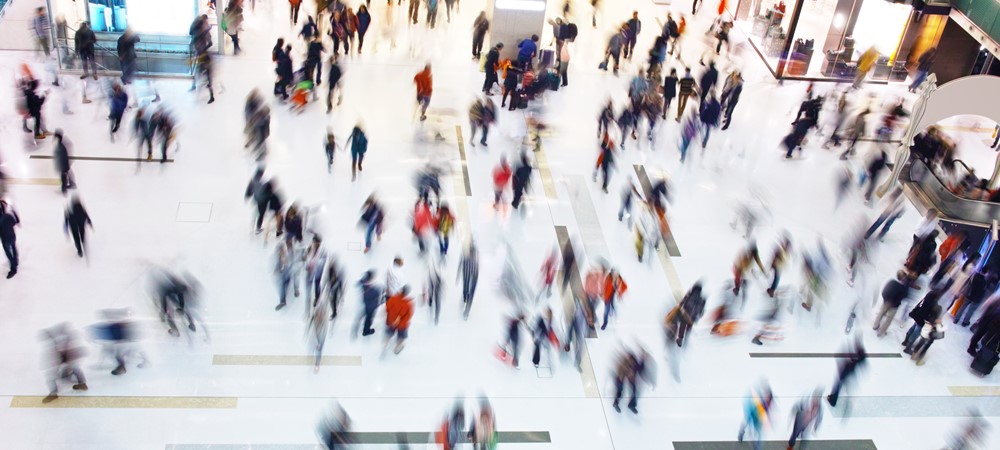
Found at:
<point>928,192</point>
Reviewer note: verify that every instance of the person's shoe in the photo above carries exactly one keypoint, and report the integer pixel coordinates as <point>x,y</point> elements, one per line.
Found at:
<point>83,77</point>
<point>80,387</point>
<point>483,143</point>
<point>173,332</point>
<point>40,136</point>
<point>49,398</point>
<point>368,332</point>
<point>79,253</point>
<point>965,324</point>
<point>908,351</point>
<point>770,293</point>
<point>86,100</point>
<point>971,351</point>
<point>118,370</point>
<point>11,274</point>
<point>806,307</point>
<point>829,399</point>
<point>191,327</point>
<point>211,100</point>
<point>756,340</point>
<point>95,77</point>
<point>280,305</point>
<point>633,409</point>
<point>616,407</point>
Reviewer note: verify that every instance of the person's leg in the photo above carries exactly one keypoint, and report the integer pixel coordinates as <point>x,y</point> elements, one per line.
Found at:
<point>970,309</point>
<point>607,312</point>
<point>890,313</point>
<point>704,139</point>
<point>619,390</point>
<point>681,105</point>
<point>888,224</point>
<point>77,238</point>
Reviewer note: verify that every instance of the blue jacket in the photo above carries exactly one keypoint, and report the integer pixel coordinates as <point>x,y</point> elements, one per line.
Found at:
<point>527,49</point>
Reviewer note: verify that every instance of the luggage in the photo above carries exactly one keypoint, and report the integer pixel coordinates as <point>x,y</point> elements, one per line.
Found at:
<point>986,358</point>
<point>522,100</point>
<point>547,57</point>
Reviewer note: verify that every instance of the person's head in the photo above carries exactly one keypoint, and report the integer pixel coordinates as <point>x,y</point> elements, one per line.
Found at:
<point>316,241</point>
<point>40,11</point>
<point>427,67</point>
<point>362,9</point>
<point>635,14</point>
<point>534,37</point>
<point>499,45</point>
<point>59,133</point>
<point>280,43</point>
<point>84,25</point>
<point>673,72</point>
<point>367,277</point>
<point>398,261</point>
<point>687,71</point>
<point>288,48</point>
<point>405,290</point>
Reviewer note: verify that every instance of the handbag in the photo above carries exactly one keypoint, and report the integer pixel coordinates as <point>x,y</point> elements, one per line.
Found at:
<point>936,334</point>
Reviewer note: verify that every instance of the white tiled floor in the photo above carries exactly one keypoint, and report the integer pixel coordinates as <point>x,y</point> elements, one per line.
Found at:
<point>139,223</point>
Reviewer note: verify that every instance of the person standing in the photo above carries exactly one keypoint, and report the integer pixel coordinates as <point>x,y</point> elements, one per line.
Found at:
<point>233,19</point>
<point>614,50</point>
<point>284,71</point>
<point>40,27</point>
<point>8,237</point>
<point>432,13</point>
<point>359,146</point>
<point>334,281</point>
<point>445,224</point>
<point>313,66</point>
<point>61,157</point>
<point>364,22</point>
<point>398,312</point>
<point>284,268</point>
<point>526,51</point>
<point>85,40</point>
<point>126,54</point>
<point>490,67</point>
<point>315,259</point>
<point>468,271</point>
<point>333,82</point>
<point>479,28</point>
<point>77,221</point>
<point>606,160</point>
<point>350,27</point>
<point>634,26</point>
<point>425,87</point>
<point>564,58</point>
<point>293,11</point>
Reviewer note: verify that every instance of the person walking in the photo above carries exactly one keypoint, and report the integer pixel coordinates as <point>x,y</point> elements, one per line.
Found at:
<point>284,269</point>
<point>293,11</point>
<point>313,66</point>
<point>127,55</point>
<point>398,312</point>
<point>285,73</point>
<point>490,68</point>
<point>351,28</point>
<point>634,27</point>
<point>468,271</point>
<point>564,58</point>
<point>924,64</point>
<point>372,215</point>
<point>76,224</point>
<point>85,40</point>
<point>40,27</point>
<point>315,262</point>
<point>501,177</point>
<point>808,413</point>
<point>329,146</point>
<point>710,111</point>
<point>425,87</point>
<point>60,156</point>
<point>669,91</point>
<point>614,288</point>
<point>614,49</point>
<point>8,237</point>
<point>371,298</point>
<point>479,28</point>
<point>707,83</point>
<point>731,96</point>
<point>364,22</point>
<point>233,19</point>
<point>520,180</point>
<point>976,289</point>
<point>333,82</point>
<point>118,103</point>
<point>66,351</point>
<point>857,357</point>
<point>359,146</point>
<point>686,89</point>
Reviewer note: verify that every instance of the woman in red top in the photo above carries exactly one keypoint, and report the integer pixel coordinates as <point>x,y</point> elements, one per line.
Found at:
<point>501,176</point>
<point>425,87</point>
<point>398,312</point>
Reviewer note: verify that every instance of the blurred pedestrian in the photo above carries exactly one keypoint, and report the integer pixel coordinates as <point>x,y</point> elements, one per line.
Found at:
<point>76,224</point>
<point>398,312</point>
<point>65,352</point>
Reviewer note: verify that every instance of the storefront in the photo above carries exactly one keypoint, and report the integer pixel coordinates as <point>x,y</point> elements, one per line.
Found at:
<point>823,39</point>
<point>162,26</point>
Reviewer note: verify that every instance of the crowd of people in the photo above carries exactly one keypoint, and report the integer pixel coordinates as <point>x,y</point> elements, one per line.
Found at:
<point>943,275</point>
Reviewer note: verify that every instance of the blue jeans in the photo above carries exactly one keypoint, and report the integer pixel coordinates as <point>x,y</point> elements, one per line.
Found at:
<point>704,139</point>
<point>965,312</point>
<point>284,279</point>
<point>10,249</point>
<point>921,76</point>
<point>369,231</point>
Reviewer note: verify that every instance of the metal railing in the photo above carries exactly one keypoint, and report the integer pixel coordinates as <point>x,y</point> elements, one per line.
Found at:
<point>155,54</point>
<point>920,177</point>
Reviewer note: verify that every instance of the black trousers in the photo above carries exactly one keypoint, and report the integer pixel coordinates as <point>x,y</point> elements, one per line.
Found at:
<point>10,250</point>
<point>491,78</point>
<point>477,45</point>
<point>79,233</point>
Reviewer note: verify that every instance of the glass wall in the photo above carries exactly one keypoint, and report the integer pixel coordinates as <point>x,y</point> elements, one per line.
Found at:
<point>829,35</point>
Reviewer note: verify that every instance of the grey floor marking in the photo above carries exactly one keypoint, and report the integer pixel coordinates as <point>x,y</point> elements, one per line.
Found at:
<point>374,438</point>
<point>465,163</point>
<point>101,158</point>
<point>586,218</point>
<point>821,355</point>
<point>647,189</point>
<point>587,376</point>
<point>920,406</point>
<point>865,444</point>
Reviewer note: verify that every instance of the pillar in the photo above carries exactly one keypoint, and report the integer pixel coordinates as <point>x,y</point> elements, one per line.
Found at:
<point>848,10</point>
<point>512,21</point>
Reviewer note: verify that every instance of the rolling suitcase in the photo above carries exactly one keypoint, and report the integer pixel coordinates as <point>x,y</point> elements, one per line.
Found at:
<point>986,358</point>
<point>547,57</point>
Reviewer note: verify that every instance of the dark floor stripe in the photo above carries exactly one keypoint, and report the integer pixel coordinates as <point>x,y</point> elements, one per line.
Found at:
<point>821,355</point>
<point>575,281</point>
<point>102,158</point>
<point>647,189</point>
<point>865,444</point>
<point>375,438</point>
<point>465,164</point>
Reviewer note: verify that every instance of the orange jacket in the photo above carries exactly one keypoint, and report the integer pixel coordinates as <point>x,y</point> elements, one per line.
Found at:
<point>424,83</point>
<point>398,311</point>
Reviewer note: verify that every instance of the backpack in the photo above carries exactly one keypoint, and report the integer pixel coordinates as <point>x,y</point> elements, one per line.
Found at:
<point>569,32</point>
